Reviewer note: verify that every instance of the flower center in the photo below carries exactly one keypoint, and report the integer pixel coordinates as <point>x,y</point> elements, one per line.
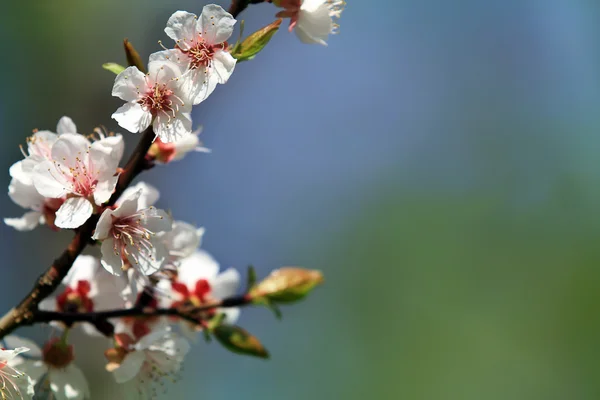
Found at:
<point>76,299</point>
<point>129,233</point>
<point>56,354</point>
<point>194,298</point>
<point>81,176</point>
<point>201,53</point>
<point>159,98</point>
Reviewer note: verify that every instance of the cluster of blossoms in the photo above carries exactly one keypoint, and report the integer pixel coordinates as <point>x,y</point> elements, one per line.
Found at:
<point>147,262</point>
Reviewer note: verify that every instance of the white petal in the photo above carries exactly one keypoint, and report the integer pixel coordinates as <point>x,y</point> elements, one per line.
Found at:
<point>226,284</point>
<point>173,130</point>
<point>223,64</point>
<point>128,205</point>
<point>212,79</point>
<point>314,25</point>
<point>48,304</point>
<point>193,84</point>
<point>199,265</point>
<point>73,213</point>
<point>7,355</point>
<point>110,261</point>
<point>70,149</point>
<point>215,24</point>
<point>157,220</point>
<point>185,145</point>
<point>181,27</point>
<point>13,341</point>
<point>182,240</point>
<point>115,146</point>
<point>173,56</point>
<point>66,125</point>
<point>103,226</point>
<point>104,189</point>
<point>68,383</point>
<point>149,195</point>
<point>148,262</point>
<point>29,221</point>
<point>24,194</point>
<point>130,367</point>
<point>129,83</point>
<point>48,181</point>
<point>132,117</point>
<point>84,268</point>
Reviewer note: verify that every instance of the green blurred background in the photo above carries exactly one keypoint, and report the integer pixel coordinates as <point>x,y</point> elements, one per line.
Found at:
<point>438,161</point>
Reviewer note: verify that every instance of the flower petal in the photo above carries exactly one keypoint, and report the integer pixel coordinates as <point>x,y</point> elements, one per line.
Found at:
<point>226,284</point>
<point>73,213</point>
<point>48,180</point>
<point>129,83</point>
<point>84,268</point>
<point>13,342</point>
<point>66,125</point>
<point>173,130</point>
<point>130,367</point>
<point>223,64</point>
<point>215,24</point>
<point>111,261</point>
<point>103,226</point>
<point>181,27</point>
<point>68,383</point>
<point>199,265</point>
<point>132,117</point>
<point>29,221</point>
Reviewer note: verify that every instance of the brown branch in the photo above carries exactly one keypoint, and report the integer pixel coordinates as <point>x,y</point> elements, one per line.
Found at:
<point>237,6</point>
<point>24,313</point>
<point>100,318</point>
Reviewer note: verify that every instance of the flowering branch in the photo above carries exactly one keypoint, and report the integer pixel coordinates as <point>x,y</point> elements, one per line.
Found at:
<point>150,266</point>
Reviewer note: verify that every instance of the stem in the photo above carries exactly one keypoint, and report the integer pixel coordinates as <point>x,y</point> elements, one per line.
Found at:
<point>24,313</point>
<point>237,6</point>
<point>99,316</point>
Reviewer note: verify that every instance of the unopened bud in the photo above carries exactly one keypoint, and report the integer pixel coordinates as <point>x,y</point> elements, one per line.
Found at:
<point>133,57</point>
<point>286,285</point>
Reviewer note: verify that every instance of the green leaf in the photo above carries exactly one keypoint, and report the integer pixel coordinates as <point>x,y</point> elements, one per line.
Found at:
<point>239,341</point>
<point>114,68</point>
<point>251,282</point>
<point>253,44</point>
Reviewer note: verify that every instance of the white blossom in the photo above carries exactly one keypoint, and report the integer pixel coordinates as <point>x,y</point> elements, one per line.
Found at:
<point>140,365</point>
<point>181,242</point>
<point>21,189</point>
<point>201,49</point>
<point>83,172</point>
<point>199,282</point>
<point>52,369</point>
<point>14,384</point>
<point>87,288</point>
<point>128,235</point>
<point>157,98</point>
<point>312,20</point>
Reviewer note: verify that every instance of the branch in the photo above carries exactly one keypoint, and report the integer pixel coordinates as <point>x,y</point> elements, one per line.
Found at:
<point>100,318</point>
<point>24,313</point>
<point>237,6</point>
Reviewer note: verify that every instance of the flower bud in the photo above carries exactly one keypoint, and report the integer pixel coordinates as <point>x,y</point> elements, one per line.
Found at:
<point>253,44</point>
<point>239,341</point>
<point>57,354</point>
<point>133,57</point>
<point>286,285</point>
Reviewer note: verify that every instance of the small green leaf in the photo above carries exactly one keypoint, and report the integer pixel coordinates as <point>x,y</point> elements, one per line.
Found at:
<point>239,341</point>
<point>251,278</point>
<point>253,44</point>
<point>114,68</point>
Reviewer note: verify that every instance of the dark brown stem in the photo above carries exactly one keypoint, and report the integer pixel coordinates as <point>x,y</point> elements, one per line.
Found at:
<point>237,6</point>
<point>24,313</point>
<point>100,317</point>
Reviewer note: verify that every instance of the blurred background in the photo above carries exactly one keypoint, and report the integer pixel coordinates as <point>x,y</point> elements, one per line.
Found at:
<point>438,161</point>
